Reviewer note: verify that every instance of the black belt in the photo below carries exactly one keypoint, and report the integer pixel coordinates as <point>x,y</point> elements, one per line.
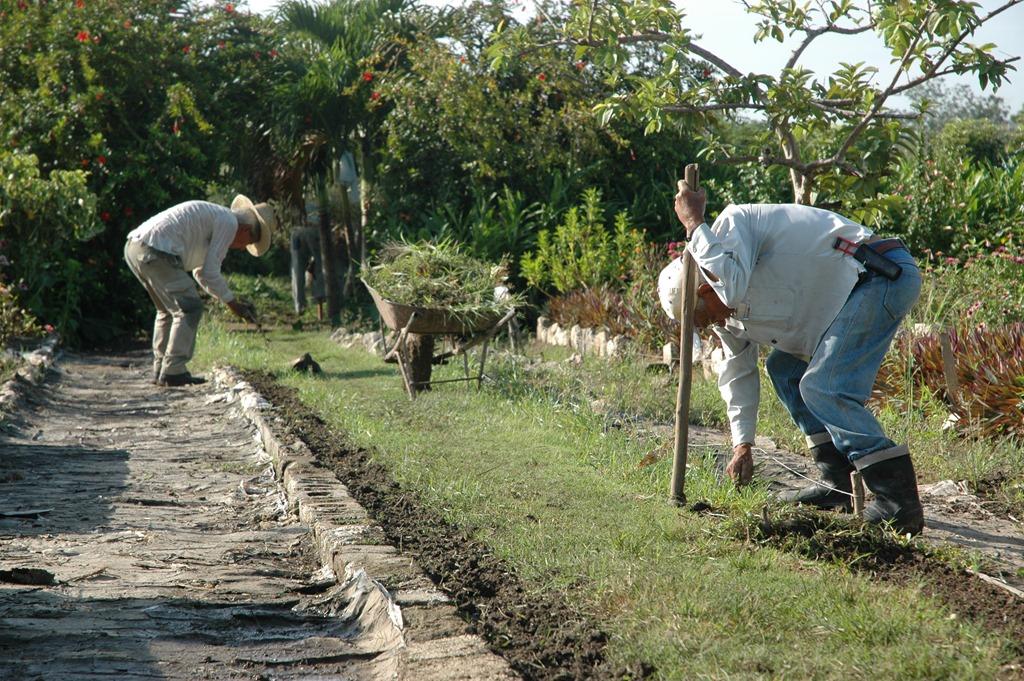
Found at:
<point>882,245</point>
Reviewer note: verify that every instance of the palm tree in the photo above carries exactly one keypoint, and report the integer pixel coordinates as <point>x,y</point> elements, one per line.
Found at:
<point>345,39</point>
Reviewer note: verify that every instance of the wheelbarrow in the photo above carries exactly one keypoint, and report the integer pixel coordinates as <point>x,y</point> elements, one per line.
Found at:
<point>463,332</point>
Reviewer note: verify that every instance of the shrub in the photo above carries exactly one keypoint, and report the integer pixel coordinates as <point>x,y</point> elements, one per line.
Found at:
<point>15,321</point>
<point>630,307</point>
<point>989,366</point>
<point>985,289</point>
<point>581,252</point>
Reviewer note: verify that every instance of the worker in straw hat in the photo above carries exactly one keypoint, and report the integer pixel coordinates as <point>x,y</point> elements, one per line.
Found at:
<point>825,296</point>
<point>192,237</point>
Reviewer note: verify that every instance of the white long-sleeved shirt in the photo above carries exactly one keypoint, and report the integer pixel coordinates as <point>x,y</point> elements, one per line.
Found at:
<point>198,232</point>
<point>776,266</point>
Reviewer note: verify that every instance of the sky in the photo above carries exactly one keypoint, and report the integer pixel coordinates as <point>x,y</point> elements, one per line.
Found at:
<point>727,31</point>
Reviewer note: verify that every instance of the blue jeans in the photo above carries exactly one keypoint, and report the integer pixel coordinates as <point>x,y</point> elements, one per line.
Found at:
<point>826,396</point>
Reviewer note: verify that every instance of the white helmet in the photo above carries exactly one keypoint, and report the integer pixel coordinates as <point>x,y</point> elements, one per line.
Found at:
<point>670,288</point>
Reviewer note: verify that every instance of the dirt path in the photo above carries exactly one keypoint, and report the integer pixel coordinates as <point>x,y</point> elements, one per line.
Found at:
<point>145,535</point>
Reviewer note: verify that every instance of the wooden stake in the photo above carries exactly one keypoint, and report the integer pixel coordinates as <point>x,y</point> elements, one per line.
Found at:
<point>691,177</point>
<point>949,368</point>
<point>857,483</point>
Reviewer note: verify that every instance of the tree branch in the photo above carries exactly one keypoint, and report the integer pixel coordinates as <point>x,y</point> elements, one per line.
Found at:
<point>934,71</point>
<point>812,34</point>
<point>723,106</point>
<point>880,99</point>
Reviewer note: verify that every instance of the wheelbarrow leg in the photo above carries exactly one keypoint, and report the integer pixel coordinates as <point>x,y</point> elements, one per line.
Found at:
<point>483,359</point>
<point>401,354</point>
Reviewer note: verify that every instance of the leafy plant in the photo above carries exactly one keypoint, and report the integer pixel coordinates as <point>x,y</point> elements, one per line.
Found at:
<point>581,252</point>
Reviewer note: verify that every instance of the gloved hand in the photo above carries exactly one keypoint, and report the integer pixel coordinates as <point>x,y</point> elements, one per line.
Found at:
<point>741,468</point>
<point>245,310</point>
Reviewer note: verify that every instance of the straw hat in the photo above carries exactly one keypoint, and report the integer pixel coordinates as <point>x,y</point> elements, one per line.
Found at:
<point>262,214</point>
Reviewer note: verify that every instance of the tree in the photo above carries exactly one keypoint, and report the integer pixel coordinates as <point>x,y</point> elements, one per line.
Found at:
<point>147,100</point>
<point>840,114</point>
<point>942,105</point>
<point>352,45</point>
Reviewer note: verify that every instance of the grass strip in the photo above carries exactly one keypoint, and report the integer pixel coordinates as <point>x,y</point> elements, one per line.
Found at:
<point>559,496</point>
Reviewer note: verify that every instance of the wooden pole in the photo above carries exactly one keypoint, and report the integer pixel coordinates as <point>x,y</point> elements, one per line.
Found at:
<point>691,177</point>
<point>949,368</point>
<point>857,483</point>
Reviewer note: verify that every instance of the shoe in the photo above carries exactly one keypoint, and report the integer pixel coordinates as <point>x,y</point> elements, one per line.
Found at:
<point>177,380</point>
<point>896,500</point>
<point>835,491</point>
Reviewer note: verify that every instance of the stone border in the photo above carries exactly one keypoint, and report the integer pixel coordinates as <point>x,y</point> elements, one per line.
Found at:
<point>348,541</point>
<point>34,365</point>
<point>585,341</point>
<point>371,341</point>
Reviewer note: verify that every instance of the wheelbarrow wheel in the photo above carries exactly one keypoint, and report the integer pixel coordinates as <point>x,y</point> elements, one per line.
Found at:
<point>421,356</point>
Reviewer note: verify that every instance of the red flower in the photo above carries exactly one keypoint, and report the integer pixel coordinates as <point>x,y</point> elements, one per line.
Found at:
<point>82,36</point>
<point>580,65</point>
<point>707,73</point>
<point>102,160</point>
<point>256,55</point>
<point>79,4</point>
<point>105,216</point>
<point>229,8</point>
<point>221,45</point>
<point>367,76</point>
<point>186,49</point>
<point>22,4</point>
<point>462,59</point>
<point>374,96</point>
<point>273,54</point>
<point>48,328</point>
<point>127,23</point>
<point>542,77</point>
<point>85,163</point>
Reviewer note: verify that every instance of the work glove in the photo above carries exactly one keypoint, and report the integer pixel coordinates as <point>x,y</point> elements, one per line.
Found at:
<point>741,468</point>
<point>245,310</point>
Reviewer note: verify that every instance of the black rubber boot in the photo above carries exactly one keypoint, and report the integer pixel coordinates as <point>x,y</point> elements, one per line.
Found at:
<point>896,501</point>
<point>835,488</point>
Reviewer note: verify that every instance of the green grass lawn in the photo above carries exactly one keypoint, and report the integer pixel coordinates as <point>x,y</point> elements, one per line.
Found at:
<point>544,481</point>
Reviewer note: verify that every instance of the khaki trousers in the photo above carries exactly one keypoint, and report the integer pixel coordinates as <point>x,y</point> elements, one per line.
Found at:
<point>178,306</point>
<point>306,245</point>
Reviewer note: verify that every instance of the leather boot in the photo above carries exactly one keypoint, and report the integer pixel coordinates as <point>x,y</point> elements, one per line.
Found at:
<point>896,501</point>
<point>835,488</point>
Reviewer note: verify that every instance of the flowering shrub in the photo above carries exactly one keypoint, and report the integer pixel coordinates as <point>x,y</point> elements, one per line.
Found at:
<point>14,319</point>
<point>986,289</point>
<point>116,110</point>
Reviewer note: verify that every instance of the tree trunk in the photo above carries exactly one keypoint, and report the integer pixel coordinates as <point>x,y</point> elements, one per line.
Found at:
<point>421,356</point>
<point>328,255</point>
<point>349,237</point>
<point>803,184</point>
<point>803,187</point>
<point>365,187</point>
